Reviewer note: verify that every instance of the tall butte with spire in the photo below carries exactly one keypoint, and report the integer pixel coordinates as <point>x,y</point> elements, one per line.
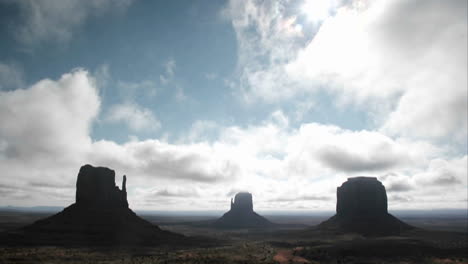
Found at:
<point>242,215</point>
<point>362,208</point>
<point>95,187</point>
<point>99,216</point>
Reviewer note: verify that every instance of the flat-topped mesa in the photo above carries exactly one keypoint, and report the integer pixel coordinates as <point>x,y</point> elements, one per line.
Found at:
<point>361,197</point>
<point>242,202</point>
<point>362,208</point>
<point>95,187</point>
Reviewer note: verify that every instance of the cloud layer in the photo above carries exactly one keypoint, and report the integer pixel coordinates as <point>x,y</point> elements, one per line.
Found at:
<point>49,130</point>
<point>395,59</point>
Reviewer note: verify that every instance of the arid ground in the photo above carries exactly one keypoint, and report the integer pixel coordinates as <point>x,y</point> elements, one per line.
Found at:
<point>438,239</point>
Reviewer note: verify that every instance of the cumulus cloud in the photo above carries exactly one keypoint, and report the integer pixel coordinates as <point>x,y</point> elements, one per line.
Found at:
<point>342,159</point>
<point>47,131</point>
<point>136,117</point>
<point>57,20</point>
<point>154,159</point>
<point>398,183</point>
<point>442,182</point>
<point>50,133</point>
<point>49,119</point>
<point>49,126</point>
<point>357,151</point>
<point>384,56</point>
<point>365,54</point>
<point>435,111</point>
<point>445,172</point>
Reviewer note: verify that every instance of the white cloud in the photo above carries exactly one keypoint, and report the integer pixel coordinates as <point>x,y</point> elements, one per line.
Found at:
<point>442,172</point>
<point>388,49</point>
<point>49,19</point>
<point>359,151</point>
<point>49,118</point>
<point>47,126</point>
<point>443,183</point>
<point>281,165</point>
<point>404,61</point>
<point>412,66</point>
<point>318,10</point>
<point>438,110</point>
<point>156,159</point>
<point>137,118</point>
<point>44,136</point>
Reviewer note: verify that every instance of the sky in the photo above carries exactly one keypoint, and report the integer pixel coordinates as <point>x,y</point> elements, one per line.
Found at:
<point>197,100</point>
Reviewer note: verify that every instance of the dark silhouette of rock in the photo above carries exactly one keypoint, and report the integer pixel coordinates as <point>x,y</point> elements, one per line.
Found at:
<point>362,208</point>
<point>243,202</point>
<point>95,187</point>
<point>100,216</point>
<point>242,214</point>
<point>361,196</point>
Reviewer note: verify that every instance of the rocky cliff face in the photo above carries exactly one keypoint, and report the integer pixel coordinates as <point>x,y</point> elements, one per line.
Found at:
<point>362,208</point>
<point>242,214</point>
<point>95,187</point>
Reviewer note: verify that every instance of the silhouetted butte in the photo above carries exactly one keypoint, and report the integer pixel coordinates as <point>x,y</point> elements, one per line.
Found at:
<point>362,208</point>
<point>100,216</point>
<point>242,214</point>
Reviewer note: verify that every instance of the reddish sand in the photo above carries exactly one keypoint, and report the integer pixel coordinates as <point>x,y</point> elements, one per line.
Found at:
<point>287,256</point>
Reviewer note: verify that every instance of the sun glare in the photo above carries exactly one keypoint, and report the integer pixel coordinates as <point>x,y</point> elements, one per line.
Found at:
<point>317,10</point>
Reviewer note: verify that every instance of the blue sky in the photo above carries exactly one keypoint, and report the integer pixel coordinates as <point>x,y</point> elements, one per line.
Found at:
<point>197,100</point>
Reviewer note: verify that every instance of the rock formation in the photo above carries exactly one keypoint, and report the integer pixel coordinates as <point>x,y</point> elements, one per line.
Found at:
<point>100,216</point>
<point>361,196</point>
<point>95,187</point>
<point>242,203</point>
<point>242,214</point>
<point>362,208</point>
